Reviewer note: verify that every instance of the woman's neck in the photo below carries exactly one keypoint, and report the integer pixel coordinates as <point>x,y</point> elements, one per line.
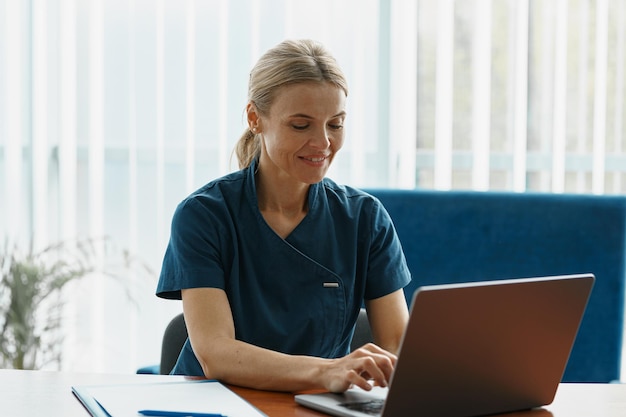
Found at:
<point>283,196</point>
<point>282,203</point>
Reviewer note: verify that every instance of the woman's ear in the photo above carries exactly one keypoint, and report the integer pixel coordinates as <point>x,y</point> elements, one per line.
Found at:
<point>254,119</point>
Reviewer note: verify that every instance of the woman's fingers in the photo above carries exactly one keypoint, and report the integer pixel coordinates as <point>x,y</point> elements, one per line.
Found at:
<point>367,366</point>
<point>378,364</point>
<point>375,349</point>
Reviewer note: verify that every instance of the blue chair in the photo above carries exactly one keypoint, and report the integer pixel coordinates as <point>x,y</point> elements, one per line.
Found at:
<point>458,236</point>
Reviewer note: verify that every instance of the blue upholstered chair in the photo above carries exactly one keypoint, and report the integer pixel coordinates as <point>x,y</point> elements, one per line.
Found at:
<point>470,236</point>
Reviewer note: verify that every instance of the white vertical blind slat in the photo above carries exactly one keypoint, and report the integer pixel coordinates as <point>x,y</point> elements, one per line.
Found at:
<point>223,102</point>
<point>14,87</point>
<point>520,93</point>
<point>444,94</point>
<point>560,97</point>
<point>481,96</point>
<point>620,91</point>
<point>403,100</point>
<point>160,121</point>
<point>544,19</point>
<point>96,173</point>
<point>582,104</point>
<point>133,189</point>
<point>39,161</point>
<point>383,100</point>
<point>357,117</point>
<point>68,116</point>
<point>67,153</point>
<point>190,84</point>
<point>256,28</point>
<point>599,105</point>
<point>96,119</point>
<point>289,22</point>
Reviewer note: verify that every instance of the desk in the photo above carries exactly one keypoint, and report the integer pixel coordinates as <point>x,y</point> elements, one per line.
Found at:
<point>34,393</point>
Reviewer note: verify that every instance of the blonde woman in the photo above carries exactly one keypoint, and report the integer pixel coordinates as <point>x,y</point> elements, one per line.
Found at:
<point>274,261</point>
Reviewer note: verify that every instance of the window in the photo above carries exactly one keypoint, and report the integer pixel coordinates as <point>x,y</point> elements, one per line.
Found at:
<point>112,111</point>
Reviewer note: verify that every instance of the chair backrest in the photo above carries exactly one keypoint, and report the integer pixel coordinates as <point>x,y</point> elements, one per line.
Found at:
<point>174,338</point>
<point>362,331</point>
<point>456,236</point>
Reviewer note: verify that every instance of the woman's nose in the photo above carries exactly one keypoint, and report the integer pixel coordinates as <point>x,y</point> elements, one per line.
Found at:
<point>320,138</point>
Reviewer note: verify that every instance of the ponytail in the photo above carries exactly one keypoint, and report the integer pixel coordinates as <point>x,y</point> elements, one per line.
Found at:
<point>248,148</point>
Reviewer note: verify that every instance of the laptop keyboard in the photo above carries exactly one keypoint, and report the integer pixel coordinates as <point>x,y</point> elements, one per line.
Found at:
<point>372,407</point>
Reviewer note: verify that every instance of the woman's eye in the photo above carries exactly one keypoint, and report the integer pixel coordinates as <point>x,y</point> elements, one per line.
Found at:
<point>300,127</point>
<point>336,126</point>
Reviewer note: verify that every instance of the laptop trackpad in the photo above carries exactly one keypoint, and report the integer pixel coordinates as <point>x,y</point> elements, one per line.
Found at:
<point>353,402</point>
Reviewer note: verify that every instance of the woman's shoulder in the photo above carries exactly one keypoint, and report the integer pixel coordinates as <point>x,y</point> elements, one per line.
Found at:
<point>346,193</point>
<point>229,182</point>
<point>216,194</point>
<point>348,198</point>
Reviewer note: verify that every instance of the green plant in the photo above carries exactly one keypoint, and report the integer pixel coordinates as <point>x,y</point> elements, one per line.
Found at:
<point>31,295</point>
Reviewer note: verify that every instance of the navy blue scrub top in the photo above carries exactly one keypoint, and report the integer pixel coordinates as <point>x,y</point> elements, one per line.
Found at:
<point>299,295</point>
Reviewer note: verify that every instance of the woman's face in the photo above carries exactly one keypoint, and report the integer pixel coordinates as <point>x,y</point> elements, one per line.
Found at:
<point>302,132</point>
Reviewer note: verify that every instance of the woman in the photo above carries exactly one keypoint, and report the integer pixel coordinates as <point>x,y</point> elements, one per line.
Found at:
<point>274,261</point>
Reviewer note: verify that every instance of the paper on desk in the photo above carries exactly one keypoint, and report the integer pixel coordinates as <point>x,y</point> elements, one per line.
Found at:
<point>188,396</point>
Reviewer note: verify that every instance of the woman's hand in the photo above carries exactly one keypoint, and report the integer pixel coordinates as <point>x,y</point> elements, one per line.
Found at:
<point>365,367</point>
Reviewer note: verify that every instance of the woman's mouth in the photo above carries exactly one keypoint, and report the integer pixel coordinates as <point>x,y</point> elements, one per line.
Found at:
<point>315,159</point>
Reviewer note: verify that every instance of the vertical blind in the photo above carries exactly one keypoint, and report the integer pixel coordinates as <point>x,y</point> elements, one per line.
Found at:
<point>113,111</point>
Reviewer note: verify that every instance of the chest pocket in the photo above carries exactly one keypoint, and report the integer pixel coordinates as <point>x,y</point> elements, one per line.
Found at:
<point>294,306</point>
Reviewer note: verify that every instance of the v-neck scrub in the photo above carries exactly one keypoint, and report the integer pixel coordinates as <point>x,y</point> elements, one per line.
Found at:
<point>299,295</point>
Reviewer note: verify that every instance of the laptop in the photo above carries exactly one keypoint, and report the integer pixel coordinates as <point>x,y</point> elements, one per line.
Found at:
<point>475,348</point>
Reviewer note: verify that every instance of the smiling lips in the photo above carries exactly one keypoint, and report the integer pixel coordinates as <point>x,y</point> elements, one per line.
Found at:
<point>318,159</point>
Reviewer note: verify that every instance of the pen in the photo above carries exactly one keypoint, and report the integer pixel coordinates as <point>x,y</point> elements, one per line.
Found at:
<point>160,413</point>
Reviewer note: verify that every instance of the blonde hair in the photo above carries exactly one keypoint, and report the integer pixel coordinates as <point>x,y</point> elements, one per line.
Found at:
<point>290,62</point>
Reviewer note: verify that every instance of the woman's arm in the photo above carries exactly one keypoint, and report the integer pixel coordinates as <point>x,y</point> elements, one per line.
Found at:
<point>388,317</point>
<point>212,334</point>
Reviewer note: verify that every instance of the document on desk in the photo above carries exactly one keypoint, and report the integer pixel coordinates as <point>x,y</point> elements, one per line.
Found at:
<point>191,398</point>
